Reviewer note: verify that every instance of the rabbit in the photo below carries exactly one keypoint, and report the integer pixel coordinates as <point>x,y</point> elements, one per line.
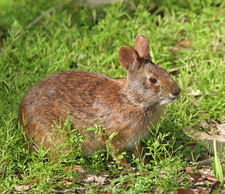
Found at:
<point>127,107</point>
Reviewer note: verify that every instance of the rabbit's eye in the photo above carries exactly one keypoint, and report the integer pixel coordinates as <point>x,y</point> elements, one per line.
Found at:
<point>152,80</point>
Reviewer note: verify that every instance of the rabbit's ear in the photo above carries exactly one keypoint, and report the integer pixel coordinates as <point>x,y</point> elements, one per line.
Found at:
<point>128,58</point>
<point>142,47</point>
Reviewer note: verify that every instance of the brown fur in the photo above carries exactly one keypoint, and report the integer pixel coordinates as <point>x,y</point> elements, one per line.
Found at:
<point>128,106</point>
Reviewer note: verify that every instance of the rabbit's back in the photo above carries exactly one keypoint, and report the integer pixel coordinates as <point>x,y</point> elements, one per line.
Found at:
<point>65,92</point>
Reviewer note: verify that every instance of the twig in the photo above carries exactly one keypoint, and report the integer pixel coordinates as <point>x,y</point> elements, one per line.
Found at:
<point>173,70</point>
<point>206,162</point>
<point>39,18</point>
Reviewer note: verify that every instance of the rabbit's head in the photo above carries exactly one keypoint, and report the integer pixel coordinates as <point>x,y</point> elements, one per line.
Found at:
<point>147,84</point>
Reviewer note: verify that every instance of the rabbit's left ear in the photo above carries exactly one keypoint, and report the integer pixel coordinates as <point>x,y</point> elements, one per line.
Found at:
<point>142,47</point>
<point>128,58</point>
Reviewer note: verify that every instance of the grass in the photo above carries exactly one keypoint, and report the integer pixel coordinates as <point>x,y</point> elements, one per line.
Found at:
<point>218,168</point>
<point>188,35</point>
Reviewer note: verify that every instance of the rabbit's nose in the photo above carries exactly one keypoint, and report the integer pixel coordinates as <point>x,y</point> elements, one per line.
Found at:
<point>175,90</point>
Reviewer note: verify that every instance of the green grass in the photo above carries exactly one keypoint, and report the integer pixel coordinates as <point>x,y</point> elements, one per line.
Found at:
<point>80,37</point>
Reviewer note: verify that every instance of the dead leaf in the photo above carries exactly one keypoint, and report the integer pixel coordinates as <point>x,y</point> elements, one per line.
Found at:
<point>185,191</point>
<point>66,183</point>
<point>189,170</point>
<point>22,188</point>
<point>128,184</point>
<point>34,180</point>
<point>192,173</point>
<point>184,43</point>
<point>195,93</point>
<point>77,167</point>
<point>157,190</point>
<point>137,174</point>
<point>181,44</point>
<point>75,9</point>
<point>205,125</point>
<point>221,128</point>
<point>221,12</point>
<point>223,166</point>
<point>94,178</point>
<point>215,44</point>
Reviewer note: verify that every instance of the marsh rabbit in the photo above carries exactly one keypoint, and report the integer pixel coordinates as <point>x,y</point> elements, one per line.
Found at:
<point>126,106</point>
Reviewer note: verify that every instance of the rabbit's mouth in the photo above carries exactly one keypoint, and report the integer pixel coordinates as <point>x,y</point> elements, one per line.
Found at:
<point>171,98</point>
